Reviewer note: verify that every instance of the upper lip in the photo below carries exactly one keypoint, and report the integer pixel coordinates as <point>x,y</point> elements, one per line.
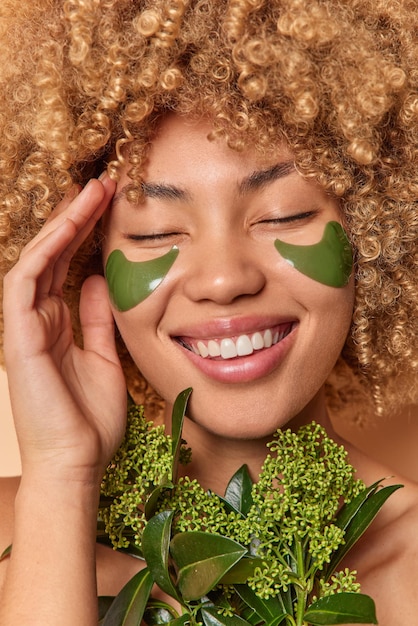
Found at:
<point>228,327</point>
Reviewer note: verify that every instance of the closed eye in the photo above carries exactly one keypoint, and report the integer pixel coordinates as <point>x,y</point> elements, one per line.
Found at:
<point>290,218</point>
<point>151,236</point>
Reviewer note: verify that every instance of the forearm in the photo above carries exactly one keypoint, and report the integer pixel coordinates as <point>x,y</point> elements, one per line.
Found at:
<point>51,577</point>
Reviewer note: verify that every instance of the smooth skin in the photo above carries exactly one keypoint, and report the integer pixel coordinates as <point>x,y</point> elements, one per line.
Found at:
<point>224,210</point>
<point>69,422</point>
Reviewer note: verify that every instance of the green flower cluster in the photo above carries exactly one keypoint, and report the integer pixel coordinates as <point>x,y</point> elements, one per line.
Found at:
<point>344,580</point>
<point>142,462</point>
<point>289,525</point>
<point>197,509</point>
<point>302,485</point>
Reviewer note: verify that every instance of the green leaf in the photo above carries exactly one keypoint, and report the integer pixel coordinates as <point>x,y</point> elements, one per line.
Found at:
<point>211,617</point>
<point>104,603</point>
<point>238,492</point>
<point>180,621</point>
<point>179,411</point>
<point>341,608</point>
<point>271,611</point>
<point>349,510</point>
<point>132,550</point>
<point>151,503</point>
<point>241,571</point>
<point>158,613</point>
<point>127,609</point>
<point>6,552</point>
<point>359,523</point>
<point>155,546</point>
<point>202,559</point>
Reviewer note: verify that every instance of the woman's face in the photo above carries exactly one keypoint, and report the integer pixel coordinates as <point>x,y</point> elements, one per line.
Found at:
<point>228,290</point>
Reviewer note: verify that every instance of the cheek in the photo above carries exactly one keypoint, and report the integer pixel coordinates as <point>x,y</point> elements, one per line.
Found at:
<point>130,283</point>
<point>137,328</point>
<point>333,319</point>
<point>328,262</point>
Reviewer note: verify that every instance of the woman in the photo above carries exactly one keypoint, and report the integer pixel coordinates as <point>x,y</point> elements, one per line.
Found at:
<point>226,131</point>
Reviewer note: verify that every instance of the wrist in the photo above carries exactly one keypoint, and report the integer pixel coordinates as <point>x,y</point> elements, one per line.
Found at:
<point>58,493</point>
<point>50,475</point>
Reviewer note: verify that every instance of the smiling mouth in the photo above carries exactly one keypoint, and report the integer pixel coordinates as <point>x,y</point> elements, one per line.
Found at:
<point>236,346</point>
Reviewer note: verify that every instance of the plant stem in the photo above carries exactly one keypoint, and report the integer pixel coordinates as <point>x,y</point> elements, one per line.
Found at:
<point>301,593</point>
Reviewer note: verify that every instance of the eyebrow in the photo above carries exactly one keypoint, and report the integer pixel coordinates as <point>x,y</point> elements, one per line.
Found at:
<point>259,179</point>
<point>164,191</point>
<point>253,182</point>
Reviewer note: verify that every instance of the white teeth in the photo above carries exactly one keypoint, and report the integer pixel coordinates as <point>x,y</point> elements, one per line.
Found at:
<point>204,352</point>
<point>228,349</point>
<point>268,339</point>
<point>257,341</point>
<point>214,348</point>
<point>244,346</point>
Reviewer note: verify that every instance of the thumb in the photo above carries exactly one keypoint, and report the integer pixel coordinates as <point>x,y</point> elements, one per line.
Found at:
<point>97,320</point>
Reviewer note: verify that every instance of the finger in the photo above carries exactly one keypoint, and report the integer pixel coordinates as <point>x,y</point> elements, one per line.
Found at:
<point>80,208</point>
<point>97,320</point>
<point>34,274</point>
<point>58,210</point>
<point>21,284</point>
<point>84,212</point>
<point>62,264</point>
<point>65,202</point>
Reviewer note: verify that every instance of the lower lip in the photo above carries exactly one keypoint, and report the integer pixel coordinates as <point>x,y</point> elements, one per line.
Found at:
<point>247,368</point>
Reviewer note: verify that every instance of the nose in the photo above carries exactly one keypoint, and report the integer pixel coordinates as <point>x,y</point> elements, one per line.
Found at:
<point>223,269</point>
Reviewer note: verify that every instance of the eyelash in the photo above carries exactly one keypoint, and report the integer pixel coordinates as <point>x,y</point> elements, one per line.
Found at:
<point>153,237</point>
<point>279,220</point>
<point>290,218</point>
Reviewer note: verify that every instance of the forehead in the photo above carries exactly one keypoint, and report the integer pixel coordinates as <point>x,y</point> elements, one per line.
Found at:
<point>175,131</point>
<point>185,150</point>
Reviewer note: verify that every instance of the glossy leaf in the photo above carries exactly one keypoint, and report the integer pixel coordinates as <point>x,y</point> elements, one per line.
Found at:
<point>349,510</point>
<point>104,603</point>
<point>271,611</point>
<point>127,609</point>
<point>6,552</point>
<point>211,617</point>
<point>151,503</point>
<point>341,608</point>
<point>158,613</point>
<point>202,560</point>
<point>181,621</point>
<point>179,411</point>
<point>132,550</point>
<point>238,492</point>
<point>241,571</point>
<point>359,523</point>
<point>155,546</point>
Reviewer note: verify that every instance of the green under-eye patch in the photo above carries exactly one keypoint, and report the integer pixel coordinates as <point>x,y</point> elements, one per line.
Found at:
<point>329,261</point>
<point>130,282</point>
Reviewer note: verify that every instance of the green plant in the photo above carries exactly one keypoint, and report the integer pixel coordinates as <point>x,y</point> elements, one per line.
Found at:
<point>264,554</point>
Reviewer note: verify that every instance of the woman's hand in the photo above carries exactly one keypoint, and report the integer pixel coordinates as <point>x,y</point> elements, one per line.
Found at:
<point>69,404</point>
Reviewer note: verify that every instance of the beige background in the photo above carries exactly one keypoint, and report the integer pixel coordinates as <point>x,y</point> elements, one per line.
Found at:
<point>394,443</point>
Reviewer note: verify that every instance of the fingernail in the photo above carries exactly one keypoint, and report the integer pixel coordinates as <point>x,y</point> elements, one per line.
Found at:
<point>103,175</point>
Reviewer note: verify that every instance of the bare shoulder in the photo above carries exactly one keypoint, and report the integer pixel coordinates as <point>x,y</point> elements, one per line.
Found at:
<point>387,558</point>
<point>8,490</point>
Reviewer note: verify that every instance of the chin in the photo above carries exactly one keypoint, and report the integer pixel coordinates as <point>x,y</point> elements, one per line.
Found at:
<point>239,423</point>
<point>242,416</point>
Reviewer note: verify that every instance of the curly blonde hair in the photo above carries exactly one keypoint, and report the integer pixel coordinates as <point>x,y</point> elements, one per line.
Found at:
<point>336,79</point>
